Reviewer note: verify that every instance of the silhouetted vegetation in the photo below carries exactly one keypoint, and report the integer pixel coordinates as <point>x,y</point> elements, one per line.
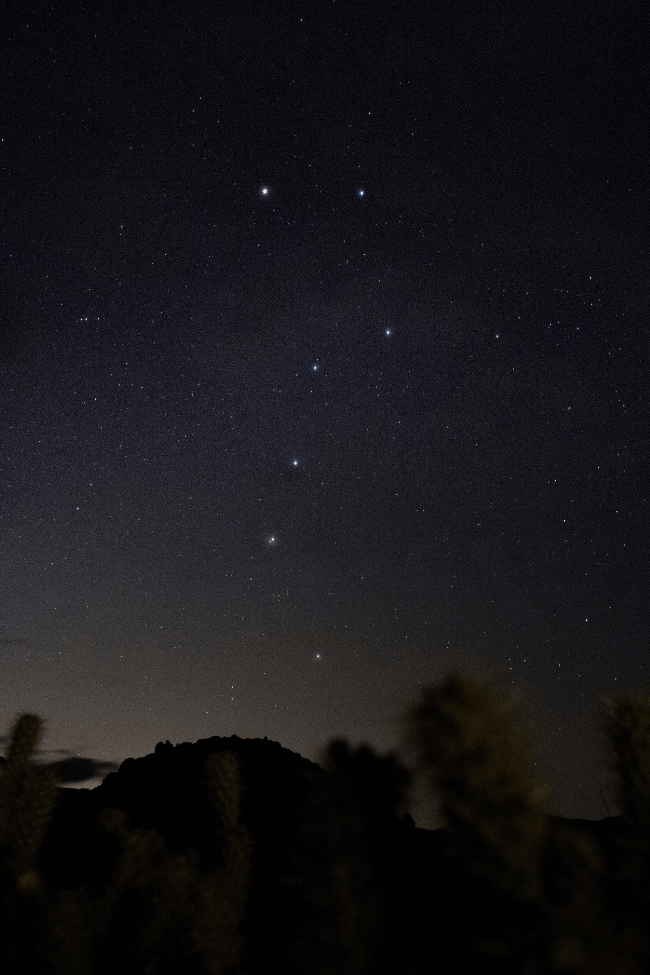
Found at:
<point>239,856</point>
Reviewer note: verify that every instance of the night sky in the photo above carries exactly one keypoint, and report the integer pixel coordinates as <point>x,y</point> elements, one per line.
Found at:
<point>323,369</point>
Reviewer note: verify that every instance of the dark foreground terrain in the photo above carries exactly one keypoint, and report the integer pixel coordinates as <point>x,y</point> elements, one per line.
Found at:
<point>328,876</point>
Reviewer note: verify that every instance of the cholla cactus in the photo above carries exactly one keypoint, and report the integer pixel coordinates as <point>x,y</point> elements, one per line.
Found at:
<point>27,798</point>
<point>222,895</point>
<point>470,745</point>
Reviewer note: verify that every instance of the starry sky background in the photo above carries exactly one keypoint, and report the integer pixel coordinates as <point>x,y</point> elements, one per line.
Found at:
<point>271,461</point>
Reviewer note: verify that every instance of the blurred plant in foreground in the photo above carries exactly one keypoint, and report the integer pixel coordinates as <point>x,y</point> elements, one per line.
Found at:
<point>470,744</point>
<point>27,798</point>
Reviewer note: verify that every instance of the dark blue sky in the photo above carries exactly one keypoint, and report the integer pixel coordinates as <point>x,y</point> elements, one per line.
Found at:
<point>272,460</point>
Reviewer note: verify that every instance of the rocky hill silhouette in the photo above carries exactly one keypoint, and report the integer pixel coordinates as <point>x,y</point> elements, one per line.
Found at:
<point>298,814</point>
<point>165,791</point>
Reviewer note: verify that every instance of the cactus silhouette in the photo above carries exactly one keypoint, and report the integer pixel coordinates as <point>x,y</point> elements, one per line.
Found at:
<point>27,798</point>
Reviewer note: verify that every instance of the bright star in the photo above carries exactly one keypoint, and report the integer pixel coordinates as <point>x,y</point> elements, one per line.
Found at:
<point>295,463</point>
<point>388,331</point>
<point>361,192</point>
<point>265,191</point>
